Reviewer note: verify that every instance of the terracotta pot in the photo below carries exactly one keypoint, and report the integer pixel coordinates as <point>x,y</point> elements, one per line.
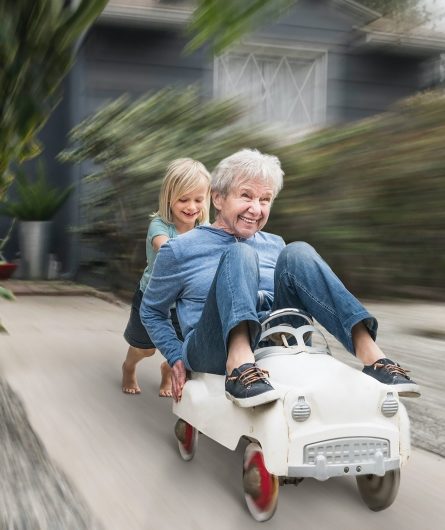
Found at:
<point>6,270</point>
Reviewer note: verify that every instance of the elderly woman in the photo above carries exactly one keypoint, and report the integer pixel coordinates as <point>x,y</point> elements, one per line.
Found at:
<point>226,277</point>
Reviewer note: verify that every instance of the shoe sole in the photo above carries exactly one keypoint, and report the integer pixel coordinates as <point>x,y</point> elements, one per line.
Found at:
<point>254,401</point>
<point>406,389</point>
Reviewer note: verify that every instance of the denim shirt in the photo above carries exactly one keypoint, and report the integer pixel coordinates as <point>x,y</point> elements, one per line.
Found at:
<point>183,273</point>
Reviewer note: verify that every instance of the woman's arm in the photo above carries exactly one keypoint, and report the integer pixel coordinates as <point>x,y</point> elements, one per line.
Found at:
<point>161,292</point>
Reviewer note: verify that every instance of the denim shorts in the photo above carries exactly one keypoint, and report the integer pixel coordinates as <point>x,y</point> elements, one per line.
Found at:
<point>135,333</point>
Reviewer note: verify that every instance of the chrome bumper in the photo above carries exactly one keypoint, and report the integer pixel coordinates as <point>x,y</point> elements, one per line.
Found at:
<point>345,456</point>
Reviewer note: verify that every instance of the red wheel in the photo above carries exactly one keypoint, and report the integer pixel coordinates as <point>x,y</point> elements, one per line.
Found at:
<point>260,486</point>
<point>187,437</point>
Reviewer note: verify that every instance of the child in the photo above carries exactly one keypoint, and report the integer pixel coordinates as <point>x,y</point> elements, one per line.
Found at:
<point>183,203</point>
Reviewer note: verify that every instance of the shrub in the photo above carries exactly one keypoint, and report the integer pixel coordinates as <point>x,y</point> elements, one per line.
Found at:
<point>369,195</point>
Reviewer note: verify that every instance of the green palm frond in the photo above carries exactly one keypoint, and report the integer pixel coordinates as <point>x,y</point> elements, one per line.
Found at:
<point>36,199</point>
<point>37,43</point>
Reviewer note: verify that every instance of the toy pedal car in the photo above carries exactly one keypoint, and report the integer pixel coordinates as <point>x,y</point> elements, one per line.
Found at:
<point>330,420</point>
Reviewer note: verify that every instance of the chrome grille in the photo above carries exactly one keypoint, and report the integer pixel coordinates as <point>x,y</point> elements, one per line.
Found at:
<point>347,450</point>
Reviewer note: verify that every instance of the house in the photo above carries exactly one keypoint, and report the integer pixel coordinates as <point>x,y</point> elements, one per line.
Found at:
<point>323,62</point>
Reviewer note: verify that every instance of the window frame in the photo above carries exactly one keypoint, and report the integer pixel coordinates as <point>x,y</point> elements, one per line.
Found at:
<point>318,55</point>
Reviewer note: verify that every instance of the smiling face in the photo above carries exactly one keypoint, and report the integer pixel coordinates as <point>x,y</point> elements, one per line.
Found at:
<point>186,210</point>
<point>245,210</point>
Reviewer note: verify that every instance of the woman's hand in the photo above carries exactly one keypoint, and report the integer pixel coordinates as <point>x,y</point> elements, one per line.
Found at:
<point>178,379</point>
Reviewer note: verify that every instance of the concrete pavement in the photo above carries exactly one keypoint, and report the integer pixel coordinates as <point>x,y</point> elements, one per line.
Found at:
<point>62,357</point>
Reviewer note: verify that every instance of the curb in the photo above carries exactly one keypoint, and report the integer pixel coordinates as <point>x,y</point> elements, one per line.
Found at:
<point>58,288</point>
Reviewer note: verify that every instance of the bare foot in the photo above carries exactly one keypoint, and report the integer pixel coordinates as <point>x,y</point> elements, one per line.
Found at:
<point>129,381</point>
<point>165,389</point>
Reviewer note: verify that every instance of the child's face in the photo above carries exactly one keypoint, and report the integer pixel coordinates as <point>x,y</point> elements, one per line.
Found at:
<point>185,211</point>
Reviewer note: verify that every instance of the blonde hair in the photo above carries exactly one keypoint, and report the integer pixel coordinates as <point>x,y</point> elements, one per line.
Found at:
<point>183,176</point>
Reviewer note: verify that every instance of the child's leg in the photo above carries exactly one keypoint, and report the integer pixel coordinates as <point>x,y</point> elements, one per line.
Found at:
<point>129,381</point>
<point>165,390</point>
<point>140,346</point>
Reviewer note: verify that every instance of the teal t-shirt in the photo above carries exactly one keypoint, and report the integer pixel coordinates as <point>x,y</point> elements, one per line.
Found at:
<point>157,227</point>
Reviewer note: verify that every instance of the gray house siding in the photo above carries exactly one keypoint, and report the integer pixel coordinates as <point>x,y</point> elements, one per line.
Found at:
<point>134,61</point>
<point>373,82</point>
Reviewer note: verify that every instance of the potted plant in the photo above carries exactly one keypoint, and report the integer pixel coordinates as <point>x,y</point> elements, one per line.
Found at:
<point>6,267</point>
<point>36,204</point>
<point>5,293</point>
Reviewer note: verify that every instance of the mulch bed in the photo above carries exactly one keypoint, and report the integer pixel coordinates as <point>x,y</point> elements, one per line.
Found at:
<point>34,493</point>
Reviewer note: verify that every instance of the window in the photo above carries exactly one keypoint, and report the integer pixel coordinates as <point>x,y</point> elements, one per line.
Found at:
<point>279,84</point>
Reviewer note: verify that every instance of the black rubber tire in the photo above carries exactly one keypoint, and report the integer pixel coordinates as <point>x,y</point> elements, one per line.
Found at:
<point>377,492</point>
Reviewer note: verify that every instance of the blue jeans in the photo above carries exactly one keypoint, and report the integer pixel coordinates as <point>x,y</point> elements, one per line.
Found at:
<point>302,280</point>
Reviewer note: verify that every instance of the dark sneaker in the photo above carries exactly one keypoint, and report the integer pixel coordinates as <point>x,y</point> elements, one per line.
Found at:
<point>247,386</point>
<point>390,373</point>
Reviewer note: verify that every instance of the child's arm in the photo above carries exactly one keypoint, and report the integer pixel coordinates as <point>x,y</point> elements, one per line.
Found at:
<point>158,241</point>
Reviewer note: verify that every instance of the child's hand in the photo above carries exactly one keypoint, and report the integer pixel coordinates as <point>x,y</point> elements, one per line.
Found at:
<point>178,380</point>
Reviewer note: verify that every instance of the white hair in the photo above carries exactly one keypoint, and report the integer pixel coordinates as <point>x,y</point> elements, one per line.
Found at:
<point>245,165</point>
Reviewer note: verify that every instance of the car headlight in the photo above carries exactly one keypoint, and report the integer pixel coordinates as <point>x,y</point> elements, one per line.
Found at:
<point>390,405</point>
<point>301,410</point>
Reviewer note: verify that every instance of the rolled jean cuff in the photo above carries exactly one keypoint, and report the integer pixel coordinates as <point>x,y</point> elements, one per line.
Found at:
<point>368,320</point>
<point>171,361</point>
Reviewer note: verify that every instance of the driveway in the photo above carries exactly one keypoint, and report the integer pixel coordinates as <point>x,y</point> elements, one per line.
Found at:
<point>115,456</point>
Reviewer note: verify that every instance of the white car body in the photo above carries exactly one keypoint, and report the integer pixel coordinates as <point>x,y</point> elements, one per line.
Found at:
<point>345,434</point>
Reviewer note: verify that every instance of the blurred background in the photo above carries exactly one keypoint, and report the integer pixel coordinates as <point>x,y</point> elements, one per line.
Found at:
<point>349,95</point>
